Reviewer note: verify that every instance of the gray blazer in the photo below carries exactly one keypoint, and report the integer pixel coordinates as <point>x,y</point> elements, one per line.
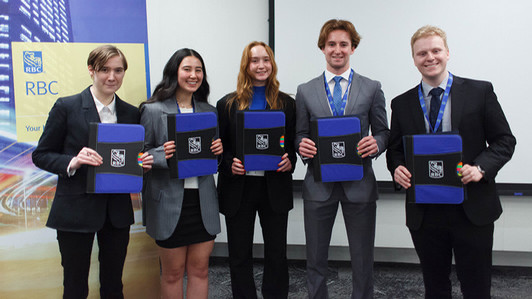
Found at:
<point>366,101</point>
<point>164,195</point>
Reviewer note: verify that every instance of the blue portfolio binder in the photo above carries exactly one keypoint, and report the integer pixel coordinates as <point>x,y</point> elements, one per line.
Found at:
<point>193,134</point>
<point>336,139</point>
<point>119,145</point>
<point>432,159</point>
<point>260,138</point>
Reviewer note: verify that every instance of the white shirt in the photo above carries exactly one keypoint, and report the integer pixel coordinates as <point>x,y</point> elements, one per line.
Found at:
<point>107,113</point>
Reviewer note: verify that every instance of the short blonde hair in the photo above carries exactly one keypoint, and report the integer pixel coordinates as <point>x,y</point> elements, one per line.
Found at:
<point>426,31</point>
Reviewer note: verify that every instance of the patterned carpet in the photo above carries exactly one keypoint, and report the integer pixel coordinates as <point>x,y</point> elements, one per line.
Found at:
<point>392,280</point>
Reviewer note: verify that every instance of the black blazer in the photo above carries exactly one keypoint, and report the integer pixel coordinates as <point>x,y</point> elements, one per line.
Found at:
<point>486,140</point>
<point>231,187</point>
<point>66,132</point>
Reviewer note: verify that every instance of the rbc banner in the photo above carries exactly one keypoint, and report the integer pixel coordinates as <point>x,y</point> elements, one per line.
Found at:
<point>44,46</point>
<point>42,72</point>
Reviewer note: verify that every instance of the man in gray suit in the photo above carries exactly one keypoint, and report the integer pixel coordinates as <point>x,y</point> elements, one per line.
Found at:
<point>355,95</point>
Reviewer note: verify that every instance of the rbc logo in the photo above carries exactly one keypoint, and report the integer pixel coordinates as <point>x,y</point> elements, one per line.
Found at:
<point>118,157</point>
<point>436,169</point>
<point>32,62</point>
<point>194,145</point>
<point>261,141</point>
<point>338,149</point>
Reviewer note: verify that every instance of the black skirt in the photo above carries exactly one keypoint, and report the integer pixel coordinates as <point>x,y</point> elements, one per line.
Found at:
<point>189,229</point>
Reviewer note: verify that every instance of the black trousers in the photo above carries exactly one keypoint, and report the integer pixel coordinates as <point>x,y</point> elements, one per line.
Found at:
<point>446,230</point>
<point>76,251</point>
<point>240,229</point>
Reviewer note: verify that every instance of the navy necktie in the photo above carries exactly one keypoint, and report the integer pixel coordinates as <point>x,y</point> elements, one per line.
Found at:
<point>435,106</point>
<point>337,95</point>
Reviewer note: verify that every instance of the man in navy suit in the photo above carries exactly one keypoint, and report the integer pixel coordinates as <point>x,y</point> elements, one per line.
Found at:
<point>470,109</point>
<point>363,97</point>
<point>63,149</point>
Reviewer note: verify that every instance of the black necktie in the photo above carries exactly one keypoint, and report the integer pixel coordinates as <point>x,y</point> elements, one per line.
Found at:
<point>435,106</point>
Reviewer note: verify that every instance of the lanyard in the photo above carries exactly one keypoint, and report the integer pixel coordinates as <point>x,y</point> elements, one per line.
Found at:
<point>344,98</point>
<point>442,106</point>
<point>191,103</point>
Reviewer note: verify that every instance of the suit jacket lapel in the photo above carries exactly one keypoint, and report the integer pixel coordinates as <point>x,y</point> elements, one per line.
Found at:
<point>197,108</point>
<point>170,106</point>
<point>89,108</point>
<point>417,113</point>
<point>321,95</point>
<point>354,90</point>
<point>119,110</point>
<point>457,102</point>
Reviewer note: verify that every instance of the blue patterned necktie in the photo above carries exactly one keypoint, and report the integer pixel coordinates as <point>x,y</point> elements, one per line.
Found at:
<point>435,107</point>
<point>337,95</point>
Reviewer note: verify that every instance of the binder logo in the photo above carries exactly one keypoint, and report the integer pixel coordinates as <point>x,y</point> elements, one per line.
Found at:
<point>262,142</point>
<point>32,62</point>
<point>118,157</point>
<point>194,145</point>
<point>338,149</point>
<point>435,169</point>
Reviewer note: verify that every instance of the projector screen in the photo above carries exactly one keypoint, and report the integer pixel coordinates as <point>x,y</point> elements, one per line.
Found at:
<point>487,41</point>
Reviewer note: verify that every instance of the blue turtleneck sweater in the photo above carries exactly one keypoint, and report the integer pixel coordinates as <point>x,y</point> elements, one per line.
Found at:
<point>258,102</point>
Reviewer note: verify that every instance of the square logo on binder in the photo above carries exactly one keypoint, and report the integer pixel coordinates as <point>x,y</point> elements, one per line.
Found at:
<point>194,145</point>
<point>118,157</point>
<point>262,141</point>
<point>338,149</point>
<point>436,169</point>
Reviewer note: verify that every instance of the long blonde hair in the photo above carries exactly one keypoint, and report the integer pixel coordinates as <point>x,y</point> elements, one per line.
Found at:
<point>244,86</point>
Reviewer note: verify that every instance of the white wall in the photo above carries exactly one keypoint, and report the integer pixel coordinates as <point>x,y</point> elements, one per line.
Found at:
<point>218,30</point>
<point>488,40</point>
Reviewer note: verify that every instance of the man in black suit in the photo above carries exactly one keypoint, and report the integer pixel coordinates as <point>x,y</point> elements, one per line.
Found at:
<point>63,150</point>
<point>471,110</point>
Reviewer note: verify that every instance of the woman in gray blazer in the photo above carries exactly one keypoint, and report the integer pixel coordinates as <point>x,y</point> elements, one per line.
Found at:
<point>181,214</point>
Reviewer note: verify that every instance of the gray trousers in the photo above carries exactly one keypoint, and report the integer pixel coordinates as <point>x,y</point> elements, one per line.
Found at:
<point>360,226</point>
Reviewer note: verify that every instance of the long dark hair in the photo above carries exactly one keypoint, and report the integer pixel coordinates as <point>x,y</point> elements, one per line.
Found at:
<point>168,85</point>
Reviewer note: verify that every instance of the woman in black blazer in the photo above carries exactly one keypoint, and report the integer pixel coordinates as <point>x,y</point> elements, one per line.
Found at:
<point>243,194</point>
<point>63,149</point>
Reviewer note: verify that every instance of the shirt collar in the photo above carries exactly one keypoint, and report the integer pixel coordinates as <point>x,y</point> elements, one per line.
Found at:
<point>329,76</point>
<point>100,106</point>
<point>427,88</point>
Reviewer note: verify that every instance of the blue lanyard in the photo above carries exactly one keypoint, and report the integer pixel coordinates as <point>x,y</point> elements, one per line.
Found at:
<point>344,98</point>
<point>191,103</point>
<point>442,106</point>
